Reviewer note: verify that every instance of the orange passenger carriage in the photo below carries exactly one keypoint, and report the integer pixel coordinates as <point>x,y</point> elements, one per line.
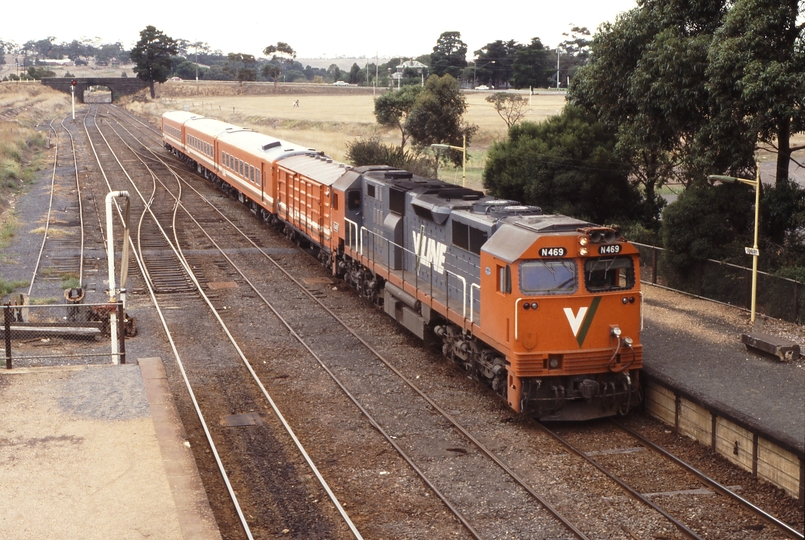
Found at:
<point>545,309</point>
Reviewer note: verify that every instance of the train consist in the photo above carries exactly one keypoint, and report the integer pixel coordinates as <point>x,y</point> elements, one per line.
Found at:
<point>546,309</point>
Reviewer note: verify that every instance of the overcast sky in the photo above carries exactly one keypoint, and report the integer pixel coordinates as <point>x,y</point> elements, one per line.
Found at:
<point>315,28</point>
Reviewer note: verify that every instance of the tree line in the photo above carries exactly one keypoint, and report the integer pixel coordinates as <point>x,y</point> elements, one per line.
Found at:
<point>498,64</point>
<point>674,91</point>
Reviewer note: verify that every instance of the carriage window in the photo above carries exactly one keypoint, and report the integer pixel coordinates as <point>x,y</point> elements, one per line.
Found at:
<point>609,274</point>
<point>548,277</point>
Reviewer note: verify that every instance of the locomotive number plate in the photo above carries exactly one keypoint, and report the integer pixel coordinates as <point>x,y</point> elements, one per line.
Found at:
<point>610,249</point>
<point>552,252</point>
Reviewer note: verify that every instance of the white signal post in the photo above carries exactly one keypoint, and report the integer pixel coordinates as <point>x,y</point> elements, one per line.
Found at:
<point>124,264</point>
<point>753,251</point>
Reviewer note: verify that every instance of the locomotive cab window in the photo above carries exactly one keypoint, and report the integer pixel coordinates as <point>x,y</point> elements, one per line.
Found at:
<point>548,277</point>
<point>609,274</point>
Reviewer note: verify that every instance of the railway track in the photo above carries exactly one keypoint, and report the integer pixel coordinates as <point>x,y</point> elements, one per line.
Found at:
<point>458,466</point>
<point>60,261</point>
<point>213,372</point>
<point>664,483</point>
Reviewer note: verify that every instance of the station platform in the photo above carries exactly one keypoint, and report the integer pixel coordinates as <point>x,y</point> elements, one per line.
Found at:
<point>748,406</point>
<point>97,452</point>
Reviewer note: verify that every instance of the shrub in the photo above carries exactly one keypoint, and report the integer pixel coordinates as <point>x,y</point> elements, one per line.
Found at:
<point>373,152</point>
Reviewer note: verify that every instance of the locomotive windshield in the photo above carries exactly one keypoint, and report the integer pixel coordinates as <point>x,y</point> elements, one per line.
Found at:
<point>548,277</point>
<point>609,274</point>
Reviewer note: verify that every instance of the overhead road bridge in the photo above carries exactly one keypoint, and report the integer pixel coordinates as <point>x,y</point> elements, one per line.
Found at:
<point>118,85</point>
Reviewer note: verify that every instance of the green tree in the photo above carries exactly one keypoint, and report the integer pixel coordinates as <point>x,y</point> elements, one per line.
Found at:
<point>437,117</point>
<point>281,52</point>
<point>392,109</point>
<point>354,74</point>
<point>574,52</point>
<point>241,66</point>
<point>449,55</point>
<point>566,165</point>
<point>334,72</point>
<point>494,63</point>
<point>510,107</point>
<point>756,76</point>
<point>152,57</point>
<point>646,82</point>
<point>531,67</point>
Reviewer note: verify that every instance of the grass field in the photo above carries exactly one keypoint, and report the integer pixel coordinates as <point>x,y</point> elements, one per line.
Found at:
<point>330,121</point>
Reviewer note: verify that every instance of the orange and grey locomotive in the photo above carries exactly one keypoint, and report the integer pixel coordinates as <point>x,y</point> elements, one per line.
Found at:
<point>546,309</point>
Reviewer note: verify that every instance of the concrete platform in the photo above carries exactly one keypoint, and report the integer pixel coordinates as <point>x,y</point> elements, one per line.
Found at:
<point>96,453</point>
<point>747,407</point>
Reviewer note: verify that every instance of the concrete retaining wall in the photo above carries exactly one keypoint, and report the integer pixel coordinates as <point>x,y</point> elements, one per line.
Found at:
<point>766,459</point>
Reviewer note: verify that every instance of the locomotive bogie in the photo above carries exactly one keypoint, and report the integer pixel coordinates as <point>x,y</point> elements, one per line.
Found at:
<point>543,308</point>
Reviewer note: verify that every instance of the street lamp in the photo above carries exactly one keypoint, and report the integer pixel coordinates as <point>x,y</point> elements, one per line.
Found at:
<point>463,157</point>
<point>753,251</point>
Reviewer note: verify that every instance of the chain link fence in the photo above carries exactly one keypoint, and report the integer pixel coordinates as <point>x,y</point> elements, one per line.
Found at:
<point>56,334</point>
<point>777,297</point>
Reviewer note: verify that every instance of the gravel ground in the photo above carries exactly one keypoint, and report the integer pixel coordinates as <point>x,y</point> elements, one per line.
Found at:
<point>379,490</point>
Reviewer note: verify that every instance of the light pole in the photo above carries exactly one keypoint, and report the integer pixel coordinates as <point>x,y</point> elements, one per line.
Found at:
<point>753,251</point>
<point>463,157</point>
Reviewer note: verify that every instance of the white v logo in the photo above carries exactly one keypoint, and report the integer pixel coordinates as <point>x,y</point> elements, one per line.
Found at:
<point>575,320</point>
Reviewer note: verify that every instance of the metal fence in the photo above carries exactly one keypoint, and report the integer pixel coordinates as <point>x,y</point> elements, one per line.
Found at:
<point>50,334</point>
<point>777,297</point>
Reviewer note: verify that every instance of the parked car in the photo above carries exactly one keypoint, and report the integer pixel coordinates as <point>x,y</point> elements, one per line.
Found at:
<point>483,87</point>
<point>340,83</point>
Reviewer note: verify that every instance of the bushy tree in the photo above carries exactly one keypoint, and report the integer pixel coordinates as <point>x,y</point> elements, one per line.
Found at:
<point>373,152</point>
<point>187,70</point>
<point>392,109</point>
<point>531,67</point>
<point>152,57</point>
<point>437,117</point>
<point>566,165</point>
<point>449,55</point>
<point>494,63</point>
<point>706,222</point>
<point>756,78</point>
<point>280,53</point>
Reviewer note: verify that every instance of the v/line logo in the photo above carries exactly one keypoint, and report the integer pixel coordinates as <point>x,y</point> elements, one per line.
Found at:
<point>430,250</point>
<point>580,322</point>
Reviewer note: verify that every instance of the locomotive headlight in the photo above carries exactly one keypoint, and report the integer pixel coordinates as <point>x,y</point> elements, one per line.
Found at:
<point>554,363</point>
<point>534,305</point>
<point>583,252</point>
<point>616,331</point>
<point>583,241</point>
<point>627,341</point>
